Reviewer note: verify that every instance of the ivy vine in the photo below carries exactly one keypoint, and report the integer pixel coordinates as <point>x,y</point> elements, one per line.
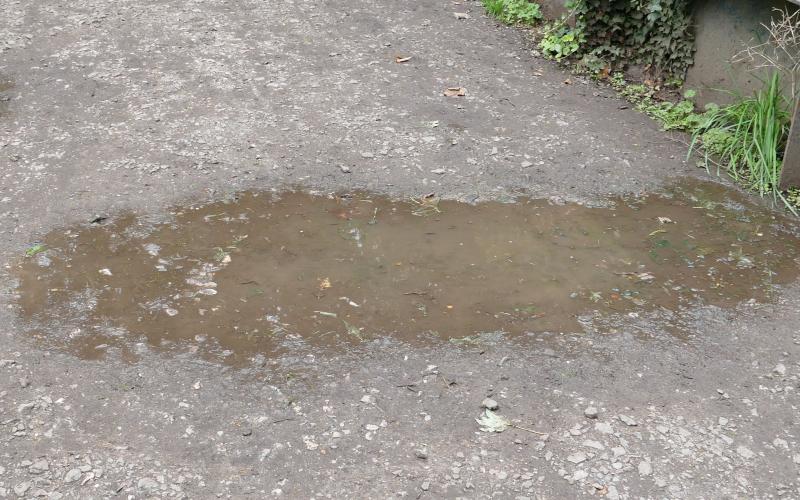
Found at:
<point>655,33</point>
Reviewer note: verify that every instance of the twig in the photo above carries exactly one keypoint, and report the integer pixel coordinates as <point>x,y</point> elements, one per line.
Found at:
<point>530,430</point>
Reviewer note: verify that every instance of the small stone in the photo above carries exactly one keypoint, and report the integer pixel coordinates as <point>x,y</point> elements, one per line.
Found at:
<point>146,484</point>
<point>461,15</point>
<point>780,369</point>
<point>425,486</point>
<point>628,420</point>
<point>247,432</point>
<point>490,404</point>
<point>367,155</point>
<point>372,427</point>
<point>577,458</point>
<point>604,428</point>
<point>594,444</point>
<point>368,399</point>
<point>590,412</point>
<point>618,451</point>
<point>345,169</point>
<point>745,452</point>
<point>526,164</point>
<point>24,382</point>
<point>72,475</point>
<point>580,475</point>
<point>22,488</point>
<point>722,421</point>
<point>421,454</point>
<point>39,466</point>
<point>645,469</point>
<point>438,171</point>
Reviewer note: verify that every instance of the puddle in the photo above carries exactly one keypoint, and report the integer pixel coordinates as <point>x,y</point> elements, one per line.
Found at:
<point>264,273</point>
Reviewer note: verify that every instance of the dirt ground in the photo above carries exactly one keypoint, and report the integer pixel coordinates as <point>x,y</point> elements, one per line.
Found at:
<point>137,105</point>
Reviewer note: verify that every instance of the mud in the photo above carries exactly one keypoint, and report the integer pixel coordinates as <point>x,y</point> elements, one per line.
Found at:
<point>263,273</point>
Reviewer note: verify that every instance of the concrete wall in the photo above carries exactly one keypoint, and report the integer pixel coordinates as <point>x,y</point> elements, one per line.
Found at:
<point>722,28</point>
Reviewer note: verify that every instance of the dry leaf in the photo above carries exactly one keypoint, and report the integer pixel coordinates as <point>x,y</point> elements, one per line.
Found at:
<point>455,92</point>
<point>492,422</point>
<point>402,59</point>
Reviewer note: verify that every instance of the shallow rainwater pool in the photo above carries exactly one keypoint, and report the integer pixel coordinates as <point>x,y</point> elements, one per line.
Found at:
<point>264,272</point>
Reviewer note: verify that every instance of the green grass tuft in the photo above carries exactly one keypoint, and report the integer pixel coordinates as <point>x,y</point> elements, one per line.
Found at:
<point>514,11</point>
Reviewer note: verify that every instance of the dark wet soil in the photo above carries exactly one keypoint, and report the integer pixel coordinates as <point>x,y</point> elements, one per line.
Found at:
<point>263,273</point>
<point>6,84</point>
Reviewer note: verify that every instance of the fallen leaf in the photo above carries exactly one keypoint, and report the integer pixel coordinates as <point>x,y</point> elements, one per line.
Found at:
<point>455,91</point>
<point>401,59</point>
<point>492,422</point>
<point>35,249</point>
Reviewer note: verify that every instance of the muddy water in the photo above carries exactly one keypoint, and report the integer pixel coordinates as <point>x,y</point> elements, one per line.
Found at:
<point>261,273</point>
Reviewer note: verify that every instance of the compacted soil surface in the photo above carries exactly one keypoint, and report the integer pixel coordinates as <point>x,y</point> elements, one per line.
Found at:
<point>247,253</point>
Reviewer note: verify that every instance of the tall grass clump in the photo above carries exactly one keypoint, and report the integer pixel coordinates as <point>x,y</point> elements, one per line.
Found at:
<point>749,137</point>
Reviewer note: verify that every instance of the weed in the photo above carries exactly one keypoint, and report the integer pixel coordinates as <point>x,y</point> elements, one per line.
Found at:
<point>750,136</point>
<point>494,7</point>
<point>793,197</point>
<point>514,11</point>
<point>677,116</point>
<point>35,250</point>
<point>560,41</point>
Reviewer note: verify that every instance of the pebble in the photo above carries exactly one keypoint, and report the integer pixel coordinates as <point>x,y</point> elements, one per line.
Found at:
<point>645,469</point>
<point>24,382</point>
<point>425,486</point>
<point>39,466</point>
<point>590,412</point>
<point>421,454</point>
<point>577,458</point>
<point>72,475</point>
<point>147,484</point>
<point>580,475</point>
<point>780,369</point>
<point>22,488</point>
<point>603,427</point>
<point>345,169</point>
<point>745,452</point>
<point>490,404</point>
<point>628,420</point>
<point>594,444</point>
<point>368,398</point>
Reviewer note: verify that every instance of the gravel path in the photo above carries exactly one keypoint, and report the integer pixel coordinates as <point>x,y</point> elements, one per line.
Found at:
<point>139,105</point>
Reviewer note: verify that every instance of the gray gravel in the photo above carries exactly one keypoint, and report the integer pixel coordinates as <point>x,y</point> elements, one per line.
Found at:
<point>140,105</point>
